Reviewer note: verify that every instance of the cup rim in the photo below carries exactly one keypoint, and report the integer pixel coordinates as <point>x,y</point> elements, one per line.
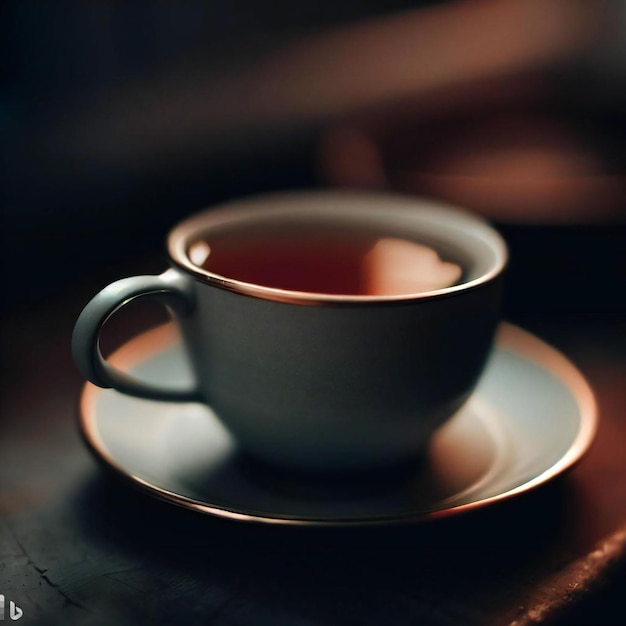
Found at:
<point>317,204</point>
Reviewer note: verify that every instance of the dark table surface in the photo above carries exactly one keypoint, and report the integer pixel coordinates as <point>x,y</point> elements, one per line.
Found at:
<point>77,547</point>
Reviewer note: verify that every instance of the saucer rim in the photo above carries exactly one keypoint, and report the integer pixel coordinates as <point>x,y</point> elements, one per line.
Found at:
<point>509,337</point>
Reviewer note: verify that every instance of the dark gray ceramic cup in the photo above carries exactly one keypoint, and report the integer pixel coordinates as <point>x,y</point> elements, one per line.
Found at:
<point>312,380</point>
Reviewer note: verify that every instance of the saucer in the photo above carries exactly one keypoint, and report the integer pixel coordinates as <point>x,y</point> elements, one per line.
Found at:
<point>531,417</point>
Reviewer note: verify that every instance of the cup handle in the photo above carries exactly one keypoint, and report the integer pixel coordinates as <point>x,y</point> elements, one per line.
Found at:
<point>172,289</point>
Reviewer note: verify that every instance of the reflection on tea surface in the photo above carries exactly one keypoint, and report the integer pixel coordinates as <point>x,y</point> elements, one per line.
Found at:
<point>325,260</point>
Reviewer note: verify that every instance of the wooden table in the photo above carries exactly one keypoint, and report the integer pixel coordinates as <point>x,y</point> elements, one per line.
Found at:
<point>79,548</point>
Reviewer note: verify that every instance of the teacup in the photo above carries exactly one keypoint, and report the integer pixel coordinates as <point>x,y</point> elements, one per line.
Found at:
<point>326,330</point>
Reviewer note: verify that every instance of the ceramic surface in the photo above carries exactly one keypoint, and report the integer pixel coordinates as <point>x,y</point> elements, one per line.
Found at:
<point>531,417</point>
<point>314,381</point>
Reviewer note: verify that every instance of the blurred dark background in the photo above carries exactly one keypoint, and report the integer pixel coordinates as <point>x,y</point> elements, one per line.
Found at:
<point>120,118</point>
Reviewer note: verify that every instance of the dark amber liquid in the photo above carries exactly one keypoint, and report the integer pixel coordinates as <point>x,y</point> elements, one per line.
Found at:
<point>326,260</point>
